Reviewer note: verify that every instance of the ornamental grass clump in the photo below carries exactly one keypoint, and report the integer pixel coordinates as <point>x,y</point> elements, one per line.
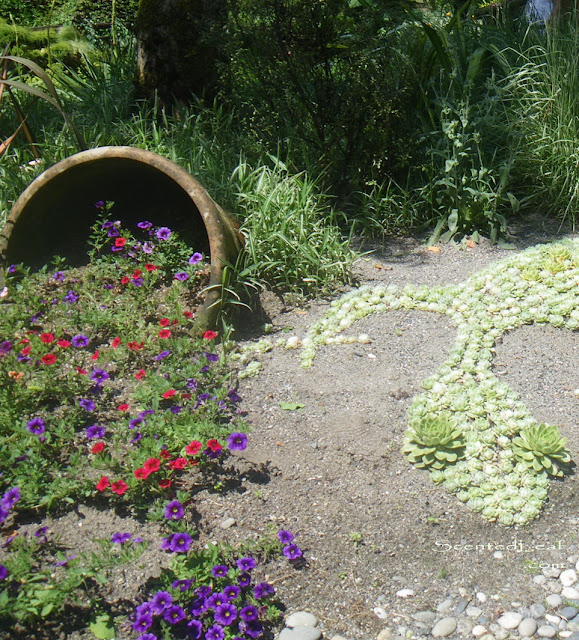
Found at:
<point>434,442</point>
<point>542,449</point>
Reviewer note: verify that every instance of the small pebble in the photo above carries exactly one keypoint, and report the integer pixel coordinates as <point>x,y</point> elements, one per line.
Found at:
<point>547,631</point>
<point>460,607</point>
<point>404,593</point>
<point>444,606</point>
<point>537,610</point>
<point>554,600</point>
<point>574,636</point>
<point>424,616</point>
<point>380,613</point>
<point>478,630</point>
<point>549,617</point>
<point>510,620</point>
<point>540,579</point>
<point>555,586</point>
<point>498,555</point>
<point>385,634</point>
<point>300,633</point>
<point>444,627</point>
<point>301,619</point>
<point>464,627</point>
<point>481,597</point>
<point>551,572</point>
<point>228,523</point>
<point>570,593</point>
<point>527,627</point>
<point>568,578</point>
<point>473,612</point>
<point>568,613</point>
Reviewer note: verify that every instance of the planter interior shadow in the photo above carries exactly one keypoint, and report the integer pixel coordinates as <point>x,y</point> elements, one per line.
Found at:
<point>53,216</point>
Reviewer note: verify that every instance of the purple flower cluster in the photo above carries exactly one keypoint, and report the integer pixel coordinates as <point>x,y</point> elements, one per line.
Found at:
<point>291,551</point>
<point>207,612</point>
<point>9,499</point>
<point>177,543</point>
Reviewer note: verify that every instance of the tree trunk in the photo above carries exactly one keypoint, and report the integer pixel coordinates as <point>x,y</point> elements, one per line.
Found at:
<point>177,52</point>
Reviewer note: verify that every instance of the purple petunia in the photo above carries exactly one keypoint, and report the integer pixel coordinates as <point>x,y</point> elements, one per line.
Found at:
<point>246,564</point>
<point>225,614</point>
<point>135,422</point>
<point>182,585</point>
<point>212,357</point>
<point>181,276</point>
<point>231,592</point>
<point>292,552</point>
<point>113,233</point>
<point>253,629</point>
<point>216,600</point>
<point>138,282</point>
<point>58,276</point>
<point>174,614</point>
<point>5,347</point>
<point>71,297</point>
<point>233,396</point>
<point>181,542</point>
<point>174,510</point>
<point>120,538</point>
<point>147,636</point>
<point>237,441</point>
<point>95,431</point>
<point>12,268</point>
<point>36,426</point>
<point>87,404</point>
<point>262,590</point>
<point>144,609</point>
<point>249,613</point>
<point>163,233</point>
<point>196,258</point>
<point>143,622</point>
<point>147,247</point>
<point>145,224</point>
<point>199,606</point>
<point>214,633</point>
<point>244,580</point>
<point>195,629</point>
<point>219,571</point>
<point>3,572</point>
<point>10,498</point>
<point>99,376</point>
<point>285,537</point>
<point>161,601</point>
<point>79,341</point>
<point>162,355</point>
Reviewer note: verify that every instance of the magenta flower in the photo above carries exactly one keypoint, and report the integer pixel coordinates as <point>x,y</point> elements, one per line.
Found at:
<point>163,233</point>
<point>181,276</point>
<point>196,258</point>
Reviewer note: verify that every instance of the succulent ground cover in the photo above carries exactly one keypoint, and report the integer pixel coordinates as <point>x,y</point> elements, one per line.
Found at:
<point>469,429</point>
<point>108,399</point>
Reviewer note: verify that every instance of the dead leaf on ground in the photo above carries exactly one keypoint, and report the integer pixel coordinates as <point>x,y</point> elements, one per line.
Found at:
<point>434,249</point>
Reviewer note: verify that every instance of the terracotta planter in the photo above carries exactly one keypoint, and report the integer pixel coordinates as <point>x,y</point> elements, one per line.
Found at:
<point>54,214</point>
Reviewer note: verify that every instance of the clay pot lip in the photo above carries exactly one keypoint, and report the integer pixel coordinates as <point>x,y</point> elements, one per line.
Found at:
<point>225,239</point>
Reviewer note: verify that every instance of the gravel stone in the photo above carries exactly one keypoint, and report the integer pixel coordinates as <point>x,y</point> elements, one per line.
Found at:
<point>460,607</point>
<point>554,600</point>
<point>478,630</point>
<point>404,593</point>
<point>385,634</point>
<point>549,617</point>
<point>547,631</point>
<point>301,619</point>
<point>464,626</point>
<point>551,572</point>
<point>445,605</point>
<point>555,586</point>
<point>481,597</point>
<point>540,579</point>
<point>568,577</point>
<point>568,613</point>
<point>510,620</point>
<point>537,610</point>
<point>473,612</point>
<point>227,523</point>
<point>444,627</point>
<point>301,632</point>
<point>527,627</point>
<point>570,593</point>
<point>424,616</point>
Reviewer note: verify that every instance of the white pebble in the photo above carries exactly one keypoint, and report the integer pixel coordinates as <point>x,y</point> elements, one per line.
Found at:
<point>404,593</point>
<point>228,523</point>
<point>301,619</point>
<point>547,631</point>
<point>481,597</point>
<point>380,613</point>
<point>553,619</point>
<point>554,600</point>
<point>510,620</point>
<point>540,579</point>
<point>527,627</point>
<point>570,593</point>
<point>568,578</point>
<point>478,630</point>
<point>498,555</point>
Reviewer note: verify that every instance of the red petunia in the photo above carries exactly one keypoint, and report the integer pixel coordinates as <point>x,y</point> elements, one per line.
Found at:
<point>165,483</point>
<point>213,445</point>
<point>47,338</point>
<point>165,454</point>
<point>140,374</point>
<point>136,274</point>
<point>209,335</point>
<point>125,280</point>
<point>81,371</point>
<point>193,448</point>
<point>186,396</point>
<point>25,351</point>
<point>169,394</point>
<point>102,484</point>
<point>24,341</point>
<point>188,314</point>
<point>99,447</point>
<point>95,355</point>
<point>152,464</point>
<point>133,345</point>
<point>63,343</point>
<point>49,358</point>
<point>116,343</point>
<point>164,322</point>
<point>119,487</point>
<point>123,407</point>
<point>178,463</point>
<point>120,242</point>
<point>151,267</point>
<point>164,333</point>
<point>141,474</point>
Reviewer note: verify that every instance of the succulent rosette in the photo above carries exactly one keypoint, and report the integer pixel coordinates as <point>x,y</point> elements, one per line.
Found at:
<point>542,449</point>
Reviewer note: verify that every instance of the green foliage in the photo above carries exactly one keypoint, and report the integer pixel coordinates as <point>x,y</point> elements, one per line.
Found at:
<point>542,449</point>
<point>434,442</point>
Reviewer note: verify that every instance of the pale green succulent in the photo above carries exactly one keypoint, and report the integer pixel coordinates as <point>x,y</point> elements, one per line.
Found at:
<point>531,274</point>
<point>542,449</point>
<point>434,442</point>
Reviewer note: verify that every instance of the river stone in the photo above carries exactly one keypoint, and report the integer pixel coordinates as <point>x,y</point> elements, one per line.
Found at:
<point>551,572</point>
<point>547,631</point>
<point>540,579</point>
<point>510,620</point>
<point>568,578</point>
<point>554,600</point>
<point>568,613</point>
<point>473,612</point>
<point>464,626</point>
<point>424,616</point>
<point>481,597</point>
<point>549,617</point>
<point>301,619</point>
<point>478,630</point>
<point>537,610</point>
<point>570,593</point>
<point>554,586</point>
<point>574,636</point>
<point>444,606</point>
<point>385,634</point>
<point>527,627</point>
<point>444,627</point>
<point>300,632</point>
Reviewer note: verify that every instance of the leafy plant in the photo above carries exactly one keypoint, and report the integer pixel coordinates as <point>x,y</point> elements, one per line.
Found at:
<point>434,442</point>
<point>542,449</point>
